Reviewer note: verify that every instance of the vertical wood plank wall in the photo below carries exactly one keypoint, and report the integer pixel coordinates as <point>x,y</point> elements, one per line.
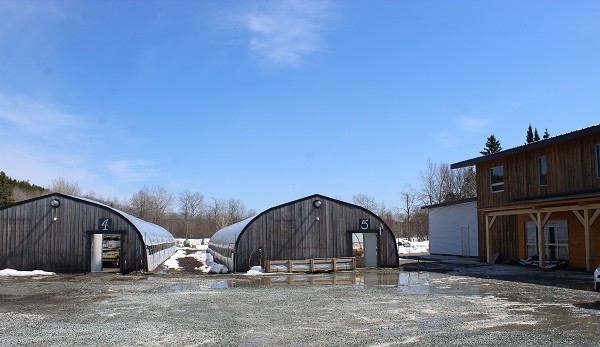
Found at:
<point>571,168</point>
<point>30,239</point>
<point>293,232</point>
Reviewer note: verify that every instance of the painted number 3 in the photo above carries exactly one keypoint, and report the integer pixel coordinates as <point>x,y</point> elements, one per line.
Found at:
<point>365,224</point>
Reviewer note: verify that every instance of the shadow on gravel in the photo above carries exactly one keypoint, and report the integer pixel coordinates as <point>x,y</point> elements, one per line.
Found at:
<point>572,279</point>
<point>589,305</point>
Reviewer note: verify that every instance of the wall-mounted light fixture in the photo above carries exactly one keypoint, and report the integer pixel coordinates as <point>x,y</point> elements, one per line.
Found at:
<point>317,203</point>
<point>55,203</point>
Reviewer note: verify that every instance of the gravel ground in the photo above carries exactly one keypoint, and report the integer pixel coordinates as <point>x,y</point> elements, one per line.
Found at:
<point>365,308</point>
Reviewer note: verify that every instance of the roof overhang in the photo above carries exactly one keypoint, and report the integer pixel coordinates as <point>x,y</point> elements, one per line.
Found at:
<point>592,130</point>
<point>573,202</point>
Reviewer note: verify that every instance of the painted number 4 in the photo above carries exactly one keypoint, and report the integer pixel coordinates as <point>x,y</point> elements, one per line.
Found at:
<point>365,224</point>
<point>105,224</point>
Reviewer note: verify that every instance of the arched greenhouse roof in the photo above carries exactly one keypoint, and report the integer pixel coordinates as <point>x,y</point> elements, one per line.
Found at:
<point>229,234</point>
<point>151,233</point>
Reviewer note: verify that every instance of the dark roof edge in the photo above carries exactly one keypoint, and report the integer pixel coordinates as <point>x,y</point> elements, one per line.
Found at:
<point>450,203</point>
<point>313,196</point>
<point>591,130</point>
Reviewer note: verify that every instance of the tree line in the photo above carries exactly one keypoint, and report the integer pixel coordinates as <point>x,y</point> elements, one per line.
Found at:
<point>190,214</point>
<point>186,215</point>
<point>437,184</point>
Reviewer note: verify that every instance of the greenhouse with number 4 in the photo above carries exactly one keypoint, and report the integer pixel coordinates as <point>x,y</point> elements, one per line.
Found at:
<point>63,233</point>
<point>307,232</point>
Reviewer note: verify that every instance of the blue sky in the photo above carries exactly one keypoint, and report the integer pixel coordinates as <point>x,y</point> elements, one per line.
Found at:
<point>269,101</point>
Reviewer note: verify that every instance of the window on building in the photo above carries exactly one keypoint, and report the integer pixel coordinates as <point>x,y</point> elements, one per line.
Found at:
<point>531,241</point>
<point>497,179</point>
<point>556,234</point>
<point>543,171</point>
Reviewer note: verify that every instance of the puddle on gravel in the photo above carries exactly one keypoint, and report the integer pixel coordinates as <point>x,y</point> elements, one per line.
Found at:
<point>366,279</point>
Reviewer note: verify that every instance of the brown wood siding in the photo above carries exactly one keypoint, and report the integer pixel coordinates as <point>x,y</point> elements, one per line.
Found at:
<point>504,234</point>
<point>571,169</point>
<point>292,231</point>
<point>576,239</point>
<point>30,239</point>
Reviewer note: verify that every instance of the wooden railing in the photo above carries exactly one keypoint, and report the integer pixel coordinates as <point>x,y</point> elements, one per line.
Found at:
<point>311,265</point>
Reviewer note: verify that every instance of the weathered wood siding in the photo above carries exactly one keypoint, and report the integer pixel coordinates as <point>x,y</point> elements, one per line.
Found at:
<point>30,239</point>
<point>504,234</point>
<point>576,239</point>
<point>293,231</point>
<point>571,169</point>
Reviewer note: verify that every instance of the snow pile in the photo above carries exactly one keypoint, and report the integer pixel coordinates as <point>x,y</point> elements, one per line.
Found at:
<point>201,244</point>
<point>415,247</point>
<point>173,263</point>
<point>419,247</point>
<point>211,267</point>
<point>16,273</point>
<point>215,268</point>
<point>256,270</point>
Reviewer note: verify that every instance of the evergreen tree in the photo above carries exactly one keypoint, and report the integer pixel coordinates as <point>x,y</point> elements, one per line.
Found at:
<point>492,145</point>
<point>6,187</point>
<point>546,134</point>
<point>536,136</point>
<point>529,136</point>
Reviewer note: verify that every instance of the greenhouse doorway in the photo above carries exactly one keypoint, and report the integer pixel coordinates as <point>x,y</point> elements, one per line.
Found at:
<point>105,251</point>
<point>364,249</point>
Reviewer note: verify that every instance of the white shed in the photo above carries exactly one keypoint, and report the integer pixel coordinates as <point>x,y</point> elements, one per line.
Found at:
<point>453,228</point>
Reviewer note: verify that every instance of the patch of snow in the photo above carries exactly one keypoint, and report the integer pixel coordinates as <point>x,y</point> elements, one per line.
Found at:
<point>173,262</point>
<point>256,270</point>
<point>415,247</point>
<point>16,273</point>
<point>199,244</point>
<point>215,268</point>
<point>210,266</point>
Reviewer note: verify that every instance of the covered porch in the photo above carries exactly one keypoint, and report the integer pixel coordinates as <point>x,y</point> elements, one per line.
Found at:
<point>584,207</point>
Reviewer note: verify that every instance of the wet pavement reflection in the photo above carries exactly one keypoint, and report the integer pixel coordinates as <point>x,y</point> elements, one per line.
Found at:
<point>368,278</point>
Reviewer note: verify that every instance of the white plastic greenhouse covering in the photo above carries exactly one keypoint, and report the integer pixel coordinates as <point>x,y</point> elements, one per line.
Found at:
<point>159,243</point>
<point>222,243</point>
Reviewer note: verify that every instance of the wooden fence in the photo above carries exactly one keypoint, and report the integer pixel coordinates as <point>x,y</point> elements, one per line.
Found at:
<point>311,265</point>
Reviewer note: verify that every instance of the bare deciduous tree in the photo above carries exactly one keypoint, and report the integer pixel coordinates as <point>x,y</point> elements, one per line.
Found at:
<point>365,201</point>
<point>61,185</point>
<point>441,184</point>
<point>152,204</point>
<point>191,205</point>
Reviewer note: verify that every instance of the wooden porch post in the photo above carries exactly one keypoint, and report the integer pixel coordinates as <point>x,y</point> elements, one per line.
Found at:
<point>586,230</point>
<point>488,248</point>
<point>541,240</point>
<point>488,240</point>
<point>585,220</point>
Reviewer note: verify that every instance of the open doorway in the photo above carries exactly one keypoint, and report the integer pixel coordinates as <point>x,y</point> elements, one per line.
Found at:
<point>106,252</point>
<point>364,249</point>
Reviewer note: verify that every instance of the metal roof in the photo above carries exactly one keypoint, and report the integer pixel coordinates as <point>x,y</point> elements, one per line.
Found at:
<point>591,130</point>
<point>152,234</point>
<point>229,234</point>
<point>449,203</point>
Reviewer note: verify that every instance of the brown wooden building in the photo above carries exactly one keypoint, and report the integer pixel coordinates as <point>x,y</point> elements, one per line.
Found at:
<point>312,227</point>
<point>63,233</point>
<point>541,198</point>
